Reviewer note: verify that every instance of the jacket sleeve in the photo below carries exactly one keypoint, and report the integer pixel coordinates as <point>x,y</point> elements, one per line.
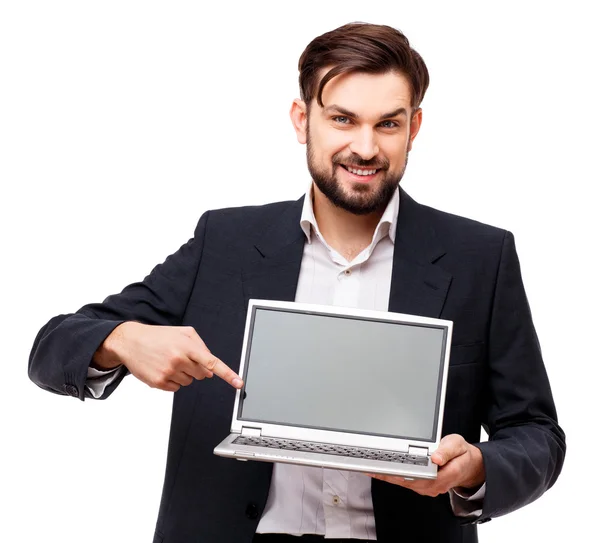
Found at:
<point>64,347</point>
<point>526,447</point>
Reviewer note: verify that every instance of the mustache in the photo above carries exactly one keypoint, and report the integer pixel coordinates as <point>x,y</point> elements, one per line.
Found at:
<point>355,161</point>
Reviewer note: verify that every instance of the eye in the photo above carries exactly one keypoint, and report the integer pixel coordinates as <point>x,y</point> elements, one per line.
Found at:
<point>389,124</point>
<point>341,119</point>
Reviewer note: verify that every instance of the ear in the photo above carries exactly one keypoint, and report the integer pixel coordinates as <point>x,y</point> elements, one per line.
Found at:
<point>415,125</point>
<point>299,119</point>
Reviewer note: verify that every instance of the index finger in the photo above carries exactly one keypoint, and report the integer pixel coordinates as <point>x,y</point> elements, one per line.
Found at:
<point>215,365</point>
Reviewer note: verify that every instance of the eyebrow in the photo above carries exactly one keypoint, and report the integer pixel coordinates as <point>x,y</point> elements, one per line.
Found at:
<point>338,109</point>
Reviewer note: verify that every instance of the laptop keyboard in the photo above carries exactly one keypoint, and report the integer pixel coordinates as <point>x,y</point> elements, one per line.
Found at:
<point>338,450</point>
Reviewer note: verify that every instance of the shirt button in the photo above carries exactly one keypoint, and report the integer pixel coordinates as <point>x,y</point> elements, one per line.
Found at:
<point>348,272</point>
<point>336,500</point>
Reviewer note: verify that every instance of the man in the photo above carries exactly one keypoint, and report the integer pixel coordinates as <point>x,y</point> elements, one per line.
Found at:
<point>355,239</point>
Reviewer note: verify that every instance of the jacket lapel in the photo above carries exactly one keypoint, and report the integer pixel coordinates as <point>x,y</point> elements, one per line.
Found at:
<point>272,271</point>
<point>419,287</point>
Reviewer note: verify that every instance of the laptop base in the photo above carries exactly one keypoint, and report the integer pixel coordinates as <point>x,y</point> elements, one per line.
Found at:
<point>409,469</point>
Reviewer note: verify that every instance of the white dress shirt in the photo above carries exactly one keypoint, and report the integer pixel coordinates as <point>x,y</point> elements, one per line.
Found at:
<point>308,500</point>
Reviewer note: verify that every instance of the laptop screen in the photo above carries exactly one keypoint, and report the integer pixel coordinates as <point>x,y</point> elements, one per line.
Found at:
<point>343,373</point>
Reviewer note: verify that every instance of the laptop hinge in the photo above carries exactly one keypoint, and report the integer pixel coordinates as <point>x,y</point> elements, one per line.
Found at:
<point>418,451</point>
<point>251,432</point>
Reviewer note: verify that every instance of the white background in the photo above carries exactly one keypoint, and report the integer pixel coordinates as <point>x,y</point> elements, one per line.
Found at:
<point>122,121</point>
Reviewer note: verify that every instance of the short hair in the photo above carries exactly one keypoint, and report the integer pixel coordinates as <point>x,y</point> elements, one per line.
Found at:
<point>360,47</point>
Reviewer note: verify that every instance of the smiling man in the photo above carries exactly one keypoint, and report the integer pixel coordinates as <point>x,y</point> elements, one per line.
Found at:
<point>355,239</point>
<point>357,151</point>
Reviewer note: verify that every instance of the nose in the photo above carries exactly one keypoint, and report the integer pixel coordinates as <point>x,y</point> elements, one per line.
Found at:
<point>364,143</point>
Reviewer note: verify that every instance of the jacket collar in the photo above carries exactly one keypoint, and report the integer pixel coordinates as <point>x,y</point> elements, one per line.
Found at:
<point>419,285</point>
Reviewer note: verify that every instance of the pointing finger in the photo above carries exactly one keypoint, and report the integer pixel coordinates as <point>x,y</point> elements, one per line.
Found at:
<point>216,366</point>
<point>197,371</point>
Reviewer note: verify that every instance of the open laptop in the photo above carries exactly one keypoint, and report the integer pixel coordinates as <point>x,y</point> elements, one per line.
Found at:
<point>340,388</point>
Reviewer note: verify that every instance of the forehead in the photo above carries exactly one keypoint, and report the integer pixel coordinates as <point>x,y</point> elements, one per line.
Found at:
<point>368,95</point>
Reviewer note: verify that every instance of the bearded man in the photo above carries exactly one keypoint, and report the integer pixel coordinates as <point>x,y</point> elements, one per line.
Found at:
<point>354,239</point>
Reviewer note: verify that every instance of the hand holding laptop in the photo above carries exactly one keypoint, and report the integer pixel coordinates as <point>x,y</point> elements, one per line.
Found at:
<point>165,357</point>
<point>460,463</point>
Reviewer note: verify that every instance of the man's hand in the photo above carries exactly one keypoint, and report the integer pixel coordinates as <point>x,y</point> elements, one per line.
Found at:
<point>165,357</point>
<point>460,465</point>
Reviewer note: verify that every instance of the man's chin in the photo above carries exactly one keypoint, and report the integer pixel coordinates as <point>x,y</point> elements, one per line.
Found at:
<point>358,198</point>
<point>358,204</point>
<point>363,199</point>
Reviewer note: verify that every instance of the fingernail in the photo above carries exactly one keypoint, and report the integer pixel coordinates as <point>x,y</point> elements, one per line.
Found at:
<point>237,383</point>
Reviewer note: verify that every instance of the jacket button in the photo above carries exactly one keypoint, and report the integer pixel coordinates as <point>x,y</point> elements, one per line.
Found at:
<point>71,390</point>
<point>252,511</point>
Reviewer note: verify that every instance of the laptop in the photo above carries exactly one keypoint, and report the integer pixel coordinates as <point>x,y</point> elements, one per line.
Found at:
<point>340,388</point>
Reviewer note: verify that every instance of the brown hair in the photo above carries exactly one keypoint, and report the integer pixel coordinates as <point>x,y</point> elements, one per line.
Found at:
<point>360,47</point>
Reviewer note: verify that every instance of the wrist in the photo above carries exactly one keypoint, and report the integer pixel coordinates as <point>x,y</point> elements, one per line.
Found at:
<point>477,476</point>
<point>107,356</point>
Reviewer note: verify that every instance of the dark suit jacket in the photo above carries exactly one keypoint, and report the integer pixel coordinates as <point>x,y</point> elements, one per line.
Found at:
<point>444,266</point>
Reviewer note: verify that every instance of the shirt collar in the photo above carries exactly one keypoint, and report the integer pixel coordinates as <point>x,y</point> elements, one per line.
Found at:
<point>385,227</point>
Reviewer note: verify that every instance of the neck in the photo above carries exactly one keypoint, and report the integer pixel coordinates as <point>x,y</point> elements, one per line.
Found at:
<point>345,232</point>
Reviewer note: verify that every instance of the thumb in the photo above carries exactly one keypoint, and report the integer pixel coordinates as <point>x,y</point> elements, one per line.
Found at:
<point>450,447</point>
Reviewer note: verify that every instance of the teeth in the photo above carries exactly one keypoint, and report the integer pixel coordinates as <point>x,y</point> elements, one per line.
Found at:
<point>362,172</point>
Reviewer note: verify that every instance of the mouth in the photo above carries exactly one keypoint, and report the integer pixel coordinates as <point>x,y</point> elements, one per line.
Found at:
<point>361,174</point>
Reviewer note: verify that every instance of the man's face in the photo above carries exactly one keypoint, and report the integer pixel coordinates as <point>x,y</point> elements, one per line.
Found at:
<point>358,143</point>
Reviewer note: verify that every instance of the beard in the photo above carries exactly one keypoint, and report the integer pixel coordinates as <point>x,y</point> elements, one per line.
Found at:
<point>363,198</point>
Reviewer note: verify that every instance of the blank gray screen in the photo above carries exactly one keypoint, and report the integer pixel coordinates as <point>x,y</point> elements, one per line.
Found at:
<point>345,374</point>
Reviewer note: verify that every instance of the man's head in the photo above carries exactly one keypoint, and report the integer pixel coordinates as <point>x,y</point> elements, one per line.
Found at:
<point>361,86</point>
